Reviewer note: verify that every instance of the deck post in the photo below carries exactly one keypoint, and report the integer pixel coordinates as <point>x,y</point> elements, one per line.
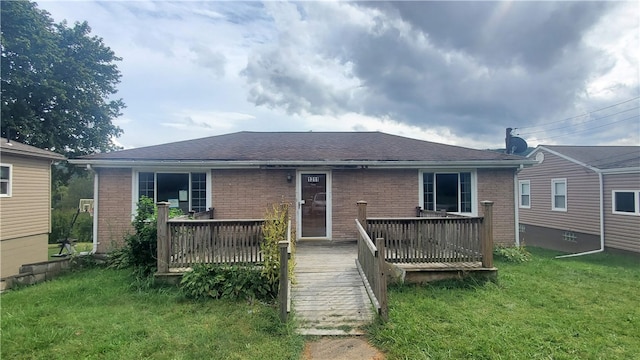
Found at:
<point>362,214</point>
<point>283,290</point>
<point>382,281</point>
<point>487,235</point>
<point>163,237</point>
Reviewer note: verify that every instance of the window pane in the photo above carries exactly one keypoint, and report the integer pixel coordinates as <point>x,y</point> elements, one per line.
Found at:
<point>169,188</point>
<point>4,188</point>
<point>428,191</point>
<point>525,200</point>
<point>560,188</point>
<point>4,172</point>
<point>465,192</point>
<point>198,192</point>
<point>625,202</point>
<point>145,185</point>
<point>524,188</point>
<point>447,192</point>
<point>559,201</point>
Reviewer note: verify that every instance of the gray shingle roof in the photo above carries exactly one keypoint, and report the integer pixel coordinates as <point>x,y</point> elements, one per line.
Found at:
<point>304,146</point>
<point>17,148</point>
<point>601,157</point>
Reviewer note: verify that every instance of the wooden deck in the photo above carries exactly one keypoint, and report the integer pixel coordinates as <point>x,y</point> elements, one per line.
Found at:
<point>329,297</point>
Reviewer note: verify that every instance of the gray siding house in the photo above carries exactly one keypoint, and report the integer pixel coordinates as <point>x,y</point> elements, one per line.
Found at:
<point>581,198</point>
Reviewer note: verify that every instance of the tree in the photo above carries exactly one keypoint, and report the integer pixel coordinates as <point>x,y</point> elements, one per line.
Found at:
<point>57,84</point>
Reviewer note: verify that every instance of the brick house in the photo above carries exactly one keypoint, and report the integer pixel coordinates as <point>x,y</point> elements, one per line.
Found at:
<point>321,174</point>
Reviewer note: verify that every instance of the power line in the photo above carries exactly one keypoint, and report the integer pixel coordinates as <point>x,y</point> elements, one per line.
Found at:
<point>582,123</point>
<point>586,130</point>
<point>577,116</point>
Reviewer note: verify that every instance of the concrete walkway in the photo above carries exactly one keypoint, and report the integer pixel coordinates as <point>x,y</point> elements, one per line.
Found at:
<point>329,297</point>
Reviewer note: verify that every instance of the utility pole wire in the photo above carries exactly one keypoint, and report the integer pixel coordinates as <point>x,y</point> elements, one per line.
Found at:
<point>582,123</point>
<point>577,116</point>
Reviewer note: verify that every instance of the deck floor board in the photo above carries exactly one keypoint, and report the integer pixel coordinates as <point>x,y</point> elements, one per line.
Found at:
<point>329,297</point>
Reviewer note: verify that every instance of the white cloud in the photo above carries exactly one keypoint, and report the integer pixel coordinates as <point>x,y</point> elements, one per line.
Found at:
<point>456,73</point>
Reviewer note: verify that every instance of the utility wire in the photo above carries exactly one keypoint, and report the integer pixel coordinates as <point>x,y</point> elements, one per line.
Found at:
<point>577,116</point>
<point>582,123</point>
<point>586,130</point>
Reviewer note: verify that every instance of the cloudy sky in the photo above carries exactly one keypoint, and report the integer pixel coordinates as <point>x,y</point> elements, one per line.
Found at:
<point>452,72</point>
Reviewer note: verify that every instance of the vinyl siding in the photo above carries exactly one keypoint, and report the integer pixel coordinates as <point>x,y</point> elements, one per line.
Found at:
<point>19,251</point>
<point>28,211</point>
<point>583,196</point>
<point>621,231</point>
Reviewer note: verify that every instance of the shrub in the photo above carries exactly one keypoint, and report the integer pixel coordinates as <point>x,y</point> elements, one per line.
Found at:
<point>226,281</point>
<point>274,231</point>
<point>514,254</point>
<point>140,249</point>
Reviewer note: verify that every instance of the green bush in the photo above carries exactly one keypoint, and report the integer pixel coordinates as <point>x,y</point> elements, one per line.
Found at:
<point>227,281</point>
<point>513,254</point>
<point>274,231</point>
<point>140,249</point>
<point>82,230</point>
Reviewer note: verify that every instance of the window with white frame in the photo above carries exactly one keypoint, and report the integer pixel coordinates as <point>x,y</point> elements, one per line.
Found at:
<point>186,191</point>
<point>525,194</point>
<point>626,202</point>
<point>451,192</point>
<point>6,171</point>
<point>559,194</point>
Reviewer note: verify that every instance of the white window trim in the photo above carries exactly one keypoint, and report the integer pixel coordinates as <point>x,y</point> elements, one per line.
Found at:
<point>474,187</point>
<point>553,194</point>
<point>520,194</point>
<point>135,184</point>
<point>636,194</point>
<point>10,181</point>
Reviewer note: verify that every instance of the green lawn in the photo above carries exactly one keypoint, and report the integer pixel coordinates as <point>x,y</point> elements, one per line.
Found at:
<point>80,247</point>
<point>580,308</point>
<point>94,314</point>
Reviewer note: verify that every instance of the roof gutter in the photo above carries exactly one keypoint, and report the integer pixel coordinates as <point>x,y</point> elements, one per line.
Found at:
<point>249,164</point>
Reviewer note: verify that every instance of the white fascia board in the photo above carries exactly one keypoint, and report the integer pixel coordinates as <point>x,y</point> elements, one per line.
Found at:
<point>568,158</point>
<point>628,170</point>
<point>288,163</point>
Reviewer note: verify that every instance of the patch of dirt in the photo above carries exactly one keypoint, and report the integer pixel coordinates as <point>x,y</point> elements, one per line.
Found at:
<point>341,348</point>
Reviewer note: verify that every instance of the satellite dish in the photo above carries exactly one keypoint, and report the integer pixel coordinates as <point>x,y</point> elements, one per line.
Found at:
<point>518,145</point>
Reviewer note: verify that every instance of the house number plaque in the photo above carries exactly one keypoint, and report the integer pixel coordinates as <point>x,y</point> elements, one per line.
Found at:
<point>313,179</point>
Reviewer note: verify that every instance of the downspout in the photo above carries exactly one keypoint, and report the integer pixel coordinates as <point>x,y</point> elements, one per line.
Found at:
<point>95,210</point>
<point>601,224</point>
<point>516,198</point>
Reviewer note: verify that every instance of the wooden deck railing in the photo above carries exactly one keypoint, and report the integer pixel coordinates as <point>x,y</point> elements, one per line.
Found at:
<point>411,240</point>
<point>371,266</point>
<point>182,242</point>
<point>436,239</point>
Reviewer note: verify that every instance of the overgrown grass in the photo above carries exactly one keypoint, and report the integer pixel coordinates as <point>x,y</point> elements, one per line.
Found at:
<point>95,314</point>
<point>577,308</point>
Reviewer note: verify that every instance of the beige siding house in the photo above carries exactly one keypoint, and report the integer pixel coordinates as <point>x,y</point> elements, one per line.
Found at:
<point>25,204</point>
<point>321,174</point>
<point>581,198</point>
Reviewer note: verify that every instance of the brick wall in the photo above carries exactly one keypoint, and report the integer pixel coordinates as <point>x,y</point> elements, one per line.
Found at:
<point>388,193</point>
<point>497,186</point>
<point>114,207</point>
<point>246,194</point>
